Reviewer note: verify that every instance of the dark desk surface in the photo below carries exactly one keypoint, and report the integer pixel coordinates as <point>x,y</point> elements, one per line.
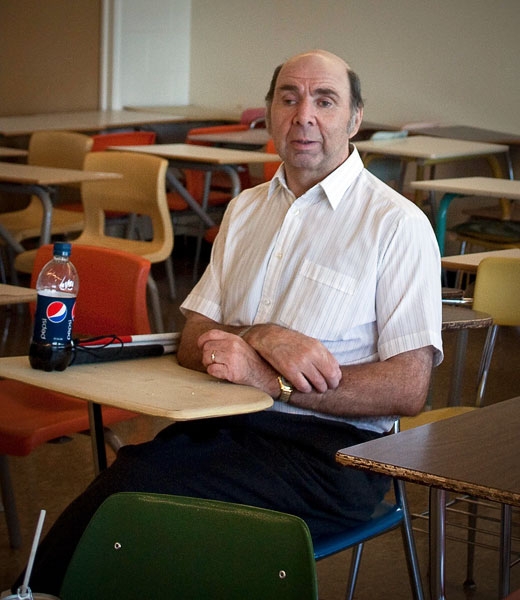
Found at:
<point>485,443</point>
<point>473,134</point>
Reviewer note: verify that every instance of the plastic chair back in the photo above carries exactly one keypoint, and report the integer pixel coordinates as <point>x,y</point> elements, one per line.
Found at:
<point>141,191</point>
<point>253,117</point>
<point>497,290</point>
<point>60,149</point>
<point>102,141</point>
<point>150,545</point>
<point>112,289</point>
<point>270,168</point>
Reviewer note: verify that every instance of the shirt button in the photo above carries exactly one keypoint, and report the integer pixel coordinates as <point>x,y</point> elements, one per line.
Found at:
<point>267,302</point>
<point>279,255</point>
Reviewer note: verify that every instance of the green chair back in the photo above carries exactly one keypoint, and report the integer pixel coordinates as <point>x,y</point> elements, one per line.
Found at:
<point>141,546</point>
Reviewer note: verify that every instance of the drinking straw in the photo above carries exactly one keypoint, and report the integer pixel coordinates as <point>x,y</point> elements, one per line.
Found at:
<point>25,585</point>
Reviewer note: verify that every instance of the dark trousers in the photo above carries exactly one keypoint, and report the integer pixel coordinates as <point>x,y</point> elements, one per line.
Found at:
<point>268,459</point>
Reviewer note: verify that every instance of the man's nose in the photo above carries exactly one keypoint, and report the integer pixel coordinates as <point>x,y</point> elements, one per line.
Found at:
<point>305,113</point>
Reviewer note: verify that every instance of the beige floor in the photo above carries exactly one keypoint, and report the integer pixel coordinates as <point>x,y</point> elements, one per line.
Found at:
<point>55,473</point>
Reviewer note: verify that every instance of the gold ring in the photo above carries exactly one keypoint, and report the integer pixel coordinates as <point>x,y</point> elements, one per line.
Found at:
<point>213,357</point>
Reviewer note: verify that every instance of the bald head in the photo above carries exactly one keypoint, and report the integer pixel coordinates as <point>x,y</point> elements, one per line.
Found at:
<point>356,100</point>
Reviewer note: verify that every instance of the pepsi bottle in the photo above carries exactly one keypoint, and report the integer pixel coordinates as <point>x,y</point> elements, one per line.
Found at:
<point>57,287</point>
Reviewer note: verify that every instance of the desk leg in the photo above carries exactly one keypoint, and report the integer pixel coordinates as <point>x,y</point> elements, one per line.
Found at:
<point>437,543</point>
<point>458,368</point>
<point>97,437</point>
<point>505,551</point>
<point>442,216</point>
<point>192,203</point>
<point>44,194</point>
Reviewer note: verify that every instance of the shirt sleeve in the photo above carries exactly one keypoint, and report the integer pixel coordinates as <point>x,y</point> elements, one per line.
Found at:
<point>409,295</point>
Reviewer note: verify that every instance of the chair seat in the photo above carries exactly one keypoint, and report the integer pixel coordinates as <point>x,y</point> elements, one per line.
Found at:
<point>385,517</point>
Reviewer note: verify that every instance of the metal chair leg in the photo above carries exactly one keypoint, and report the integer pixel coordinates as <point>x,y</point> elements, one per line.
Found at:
<point>357,551</point>
<point>485,362</point>
<point>412,560</point>
<point>156,304</point>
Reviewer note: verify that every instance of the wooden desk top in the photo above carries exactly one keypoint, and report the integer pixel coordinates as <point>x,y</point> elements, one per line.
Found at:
<point>33,175</point>
<point>12,152</point>
<point>250,137</point>
<point>95,120</point>
<point>470,262</point>
<point>485,443</point>
<point>191,112</point>
<point>455,318</point>
<point>14,294</point>
<point>473,186</point>
<point>202,154</point>
<point>473,134</point>
<point>152,386</point>
<point>429,148</point>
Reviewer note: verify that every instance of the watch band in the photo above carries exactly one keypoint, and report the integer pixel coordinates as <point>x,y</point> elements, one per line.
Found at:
<point>286,389</point>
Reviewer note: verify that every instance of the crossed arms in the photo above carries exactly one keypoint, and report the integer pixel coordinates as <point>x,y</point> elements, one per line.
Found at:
<point>396,386</point>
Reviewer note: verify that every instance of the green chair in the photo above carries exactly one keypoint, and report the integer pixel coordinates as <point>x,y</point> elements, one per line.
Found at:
<point>141,545</point>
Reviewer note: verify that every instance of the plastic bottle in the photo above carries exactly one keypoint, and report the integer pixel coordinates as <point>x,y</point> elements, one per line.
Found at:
<point>57,287</point>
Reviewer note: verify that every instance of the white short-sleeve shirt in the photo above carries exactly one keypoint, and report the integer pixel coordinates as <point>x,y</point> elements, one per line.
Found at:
<point>351,263</point>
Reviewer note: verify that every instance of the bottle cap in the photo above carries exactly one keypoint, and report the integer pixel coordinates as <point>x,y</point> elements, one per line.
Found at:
<point>62,249</point>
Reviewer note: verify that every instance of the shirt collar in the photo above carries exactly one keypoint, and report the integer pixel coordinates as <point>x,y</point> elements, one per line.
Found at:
<point>335,184</point>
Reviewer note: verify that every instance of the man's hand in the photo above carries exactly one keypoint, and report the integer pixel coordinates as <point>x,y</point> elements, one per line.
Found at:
<point>227,356</point>
<point>302,360</point>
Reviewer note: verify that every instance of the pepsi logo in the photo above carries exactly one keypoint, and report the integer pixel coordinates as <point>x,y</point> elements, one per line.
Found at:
<point>56,312</point>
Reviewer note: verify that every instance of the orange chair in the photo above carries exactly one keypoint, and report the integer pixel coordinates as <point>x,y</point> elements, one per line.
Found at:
<point>102,141</point>
<point>195,181</point>
<point>111,299</point>
<point>270,169</point>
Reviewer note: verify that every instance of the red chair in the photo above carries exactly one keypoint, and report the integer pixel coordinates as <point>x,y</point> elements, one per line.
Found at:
<point>220,193</point>
<point>102,141</point>
<point>270,169</point>
<point>253,117</point>
<point>111,300</point>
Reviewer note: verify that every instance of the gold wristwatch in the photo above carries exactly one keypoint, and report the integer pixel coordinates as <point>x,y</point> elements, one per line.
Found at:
<point>286,389</point>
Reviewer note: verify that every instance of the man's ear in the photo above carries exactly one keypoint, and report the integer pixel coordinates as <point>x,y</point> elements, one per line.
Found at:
<point>355,123</point>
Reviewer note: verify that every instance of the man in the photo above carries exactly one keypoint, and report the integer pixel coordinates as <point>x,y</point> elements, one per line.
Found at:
<point>323,290</point>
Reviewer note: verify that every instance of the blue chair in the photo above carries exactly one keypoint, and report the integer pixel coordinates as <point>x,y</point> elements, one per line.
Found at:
<point>387,516</point>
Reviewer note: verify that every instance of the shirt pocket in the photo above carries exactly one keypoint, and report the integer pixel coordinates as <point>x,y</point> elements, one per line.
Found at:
<point>324,303</point>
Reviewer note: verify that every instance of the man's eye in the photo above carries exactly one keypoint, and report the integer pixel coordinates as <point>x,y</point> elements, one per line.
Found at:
<point>324,103</point>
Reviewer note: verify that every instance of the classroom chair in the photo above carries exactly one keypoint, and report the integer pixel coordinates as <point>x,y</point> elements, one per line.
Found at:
<point>386,517</point>
<point>141,191</point>
<point>59,149</point>
<point>141,545</point>
<point>112,299</point>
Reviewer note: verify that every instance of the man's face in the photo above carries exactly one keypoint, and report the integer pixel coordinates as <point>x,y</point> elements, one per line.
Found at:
<point>310,118</point>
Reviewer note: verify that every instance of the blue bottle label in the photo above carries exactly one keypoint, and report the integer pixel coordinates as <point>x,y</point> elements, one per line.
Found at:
<point>54,318</point>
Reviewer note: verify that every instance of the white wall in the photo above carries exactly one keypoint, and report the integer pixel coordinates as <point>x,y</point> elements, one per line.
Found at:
<point>450,61</point>
<point>148,52</point>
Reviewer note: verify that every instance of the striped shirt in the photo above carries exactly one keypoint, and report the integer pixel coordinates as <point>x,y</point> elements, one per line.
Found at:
<point>351,262</point>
